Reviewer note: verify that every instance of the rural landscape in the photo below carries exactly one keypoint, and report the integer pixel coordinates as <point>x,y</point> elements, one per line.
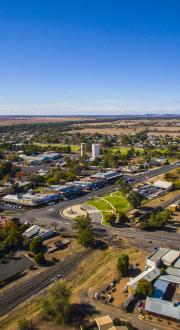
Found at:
<point>83,217</point>
<point>89,165</point>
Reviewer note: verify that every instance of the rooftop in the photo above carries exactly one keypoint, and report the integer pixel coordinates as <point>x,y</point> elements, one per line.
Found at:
<point>170,278</point>
<point>150,274</point>
<point>170,257</point>
<point>158,254</point>
<point>162,184</point>
<point>163,307</point>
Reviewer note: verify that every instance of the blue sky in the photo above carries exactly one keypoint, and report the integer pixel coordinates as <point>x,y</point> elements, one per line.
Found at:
<point>89,56</point>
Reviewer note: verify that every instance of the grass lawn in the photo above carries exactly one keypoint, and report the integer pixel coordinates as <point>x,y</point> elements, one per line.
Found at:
<point>119,201</point>
<point>103,204</point>
<point>74,147</point>
<point>100,204</point>
<point>124,150</point>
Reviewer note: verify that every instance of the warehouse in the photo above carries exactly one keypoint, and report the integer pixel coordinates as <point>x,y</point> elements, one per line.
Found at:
<point>162,307</point>
<point>165,185</point>
<point>155,258</point>
<point>150,275</point>
<point>170,257</point>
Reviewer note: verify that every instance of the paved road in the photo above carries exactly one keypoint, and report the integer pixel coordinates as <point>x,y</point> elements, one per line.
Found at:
<point>20,293</point>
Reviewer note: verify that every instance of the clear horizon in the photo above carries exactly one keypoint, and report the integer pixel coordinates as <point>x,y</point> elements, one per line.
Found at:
<point>89,58</point>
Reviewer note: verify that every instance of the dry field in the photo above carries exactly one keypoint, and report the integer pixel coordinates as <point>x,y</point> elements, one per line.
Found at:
<point>32,120</point>
<point>154,127</point>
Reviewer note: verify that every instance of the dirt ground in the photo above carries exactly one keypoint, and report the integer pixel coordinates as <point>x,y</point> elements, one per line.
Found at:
<point>94,274</point>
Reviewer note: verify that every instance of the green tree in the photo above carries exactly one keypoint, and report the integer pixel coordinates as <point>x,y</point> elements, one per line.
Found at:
<point>123,264</point>
<point>39,258</point>
<point>110,218</point>
<point>36,245</point>
<point>56,304</point>
<point>84,230</point>
<point>134,198</point>
<point>144,288</point>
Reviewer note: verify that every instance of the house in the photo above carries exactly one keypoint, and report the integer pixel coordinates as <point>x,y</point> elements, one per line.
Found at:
<point>165,185</point>
<point>37,231</point>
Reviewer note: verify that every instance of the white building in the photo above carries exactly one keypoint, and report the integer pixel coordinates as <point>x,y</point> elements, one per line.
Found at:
<point>150,275</point>
<point>95,150</point>
<point>37,231</point>
<point>166,185</point>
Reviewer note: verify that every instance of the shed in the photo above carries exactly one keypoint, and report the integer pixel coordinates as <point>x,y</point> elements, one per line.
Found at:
<point>163,307</point>
<point>104,322</point>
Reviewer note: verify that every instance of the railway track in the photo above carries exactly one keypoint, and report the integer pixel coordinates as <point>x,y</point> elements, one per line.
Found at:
<point>20,293</point>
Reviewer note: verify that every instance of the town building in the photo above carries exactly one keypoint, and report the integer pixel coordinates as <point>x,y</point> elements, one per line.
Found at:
<point>37,231</point>
<point>165,185</point>
<point>30,200</point>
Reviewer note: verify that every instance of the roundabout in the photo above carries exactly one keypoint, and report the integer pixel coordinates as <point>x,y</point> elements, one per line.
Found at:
<point>76,210</point>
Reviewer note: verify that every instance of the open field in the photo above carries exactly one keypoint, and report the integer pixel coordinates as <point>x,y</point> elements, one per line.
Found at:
<point>152,127</point>
<point>74,148</point>
<point>16,120</point>
<point>120,131</point>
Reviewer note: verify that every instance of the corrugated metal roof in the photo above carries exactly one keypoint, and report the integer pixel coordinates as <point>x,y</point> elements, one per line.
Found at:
<point>177,263</point>
<point>33,230</point>
<point>173,271</point>
<point>149,275</point>
<point>170,279</point>
<point>160,288</point>
<point>162,184</point>
<point>162,307</point>
<point>170,257</point>
<point>158,254</point>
